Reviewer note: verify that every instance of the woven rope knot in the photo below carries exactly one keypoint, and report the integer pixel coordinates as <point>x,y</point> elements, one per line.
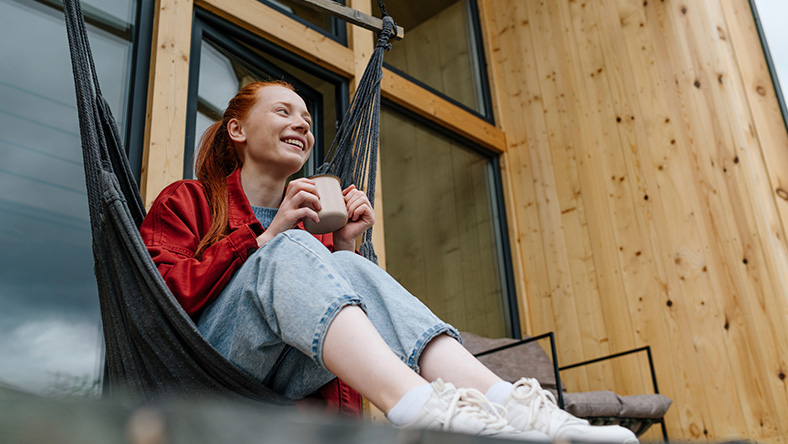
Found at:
<point>389,30</point>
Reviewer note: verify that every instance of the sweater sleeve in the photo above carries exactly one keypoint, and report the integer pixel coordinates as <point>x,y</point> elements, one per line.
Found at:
<point>178,220</point>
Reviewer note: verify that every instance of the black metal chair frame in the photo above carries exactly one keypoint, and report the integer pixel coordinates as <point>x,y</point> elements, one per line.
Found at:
<point>645,422</point>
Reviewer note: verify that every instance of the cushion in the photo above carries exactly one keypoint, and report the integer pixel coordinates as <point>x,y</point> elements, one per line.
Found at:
<point>512,364</point>
<point>644,406</point>
<point>599,403</point>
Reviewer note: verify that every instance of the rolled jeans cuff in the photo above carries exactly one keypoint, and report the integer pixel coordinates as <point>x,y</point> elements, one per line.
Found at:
<point>322,326</point>
<point>429,335</point>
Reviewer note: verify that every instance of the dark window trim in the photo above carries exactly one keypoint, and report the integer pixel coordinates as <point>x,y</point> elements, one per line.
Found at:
<point>486,113</point>
<point>770,63</point>
<point>338,31</point>
<point>138,98</point>
<point>220,31</point>
<point>484,79</point>
<point>511,311</point>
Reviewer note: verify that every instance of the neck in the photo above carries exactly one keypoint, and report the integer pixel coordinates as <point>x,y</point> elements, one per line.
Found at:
<point>261,188</point>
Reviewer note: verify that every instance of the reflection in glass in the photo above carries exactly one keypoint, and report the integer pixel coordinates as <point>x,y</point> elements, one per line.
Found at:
<point>318,19</point>
<point>50,334</point>
<point>439,48</point>
<point>441,225</point>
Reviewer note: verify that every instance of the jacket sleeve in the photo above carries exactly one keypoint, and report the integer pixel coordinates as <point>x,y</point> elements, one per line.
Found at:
<point>174,227</point>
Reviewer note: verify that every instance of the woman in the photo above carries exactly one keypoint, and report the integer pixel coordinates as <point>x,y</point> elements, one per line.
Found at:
<point>231,250</point>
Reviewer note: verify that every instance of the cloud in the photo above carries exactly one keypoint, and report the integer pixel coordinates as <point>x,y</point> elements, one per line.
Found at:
<point>38,352</point>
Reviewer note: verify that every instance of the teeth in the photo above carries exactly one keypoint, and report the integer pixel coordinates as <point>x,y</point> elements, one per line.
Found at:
<point>295,142</point>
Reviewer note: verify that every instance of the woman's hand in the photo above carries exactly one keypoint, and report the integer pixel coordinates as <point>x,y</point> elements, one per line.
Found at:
<point>300,201</point>
<point>360,218</point>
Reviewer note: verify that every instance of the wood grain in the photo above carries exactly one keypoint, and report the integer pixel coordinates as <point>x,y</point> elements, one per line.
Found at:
<point>165,126</point>
<point>644,154</point>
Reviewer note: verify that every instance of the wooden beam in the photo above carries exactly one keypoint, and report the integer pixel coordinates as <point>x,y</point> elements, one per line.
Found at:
<point>165,128</point>
<point>425,103</point>
<point>282,30</point>
<point>350,15</point>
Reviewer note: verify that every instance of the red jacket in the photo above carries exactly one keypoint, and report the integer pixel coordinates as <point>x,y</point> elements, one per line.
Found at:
<point>178,220</point>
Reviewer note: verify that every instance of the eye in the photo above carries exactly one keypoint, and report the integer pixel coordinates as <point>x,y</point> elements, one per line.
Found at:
<point>283,111</point>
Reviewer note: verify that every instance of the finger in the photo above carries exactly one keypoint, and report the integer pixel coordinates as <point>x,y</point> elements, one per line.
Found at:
<point>355,197</point>
<point>348,189</point>
<point>352,209</point>
<point>360,211</point>
<point>306,212</point>
<point>304,198</point>
<point>301,184</point>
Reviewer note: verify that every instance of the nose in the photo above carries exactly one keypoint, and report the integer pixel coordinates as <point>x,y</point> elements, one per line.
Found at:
<point>301,124</point>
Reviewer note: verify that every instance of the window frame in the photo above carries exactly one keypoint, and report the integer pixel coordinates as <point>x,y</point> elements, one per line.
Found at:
<point>487,114</point>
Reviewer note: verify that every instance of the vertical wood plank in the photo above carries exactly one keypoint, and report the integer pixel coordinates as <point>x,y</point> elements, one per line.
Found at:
<point>520,119</point>
<point>165,126</point>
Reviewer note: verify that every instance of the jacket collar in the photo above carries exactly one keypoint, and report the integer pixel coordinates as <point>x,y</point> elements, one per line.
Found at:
<point>239,211</point>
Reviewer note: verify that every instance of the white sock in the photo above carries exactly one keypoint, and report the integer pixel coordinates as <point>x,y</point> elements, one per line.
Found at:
<point>409,405</point>
<point>499,392</point>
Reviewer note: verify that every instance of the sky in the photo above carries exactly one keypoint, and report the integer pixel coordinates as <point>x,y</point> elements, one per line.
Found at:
<point>773,14</point>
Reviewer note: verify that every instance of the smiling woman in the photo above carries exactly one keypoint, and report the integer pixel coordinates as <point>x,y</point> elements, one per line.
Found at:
<point>50,333</point>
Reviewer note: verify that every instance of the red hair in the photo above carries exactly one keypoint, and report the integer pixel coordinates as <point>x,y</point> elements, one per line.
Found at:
<point>218,157</point>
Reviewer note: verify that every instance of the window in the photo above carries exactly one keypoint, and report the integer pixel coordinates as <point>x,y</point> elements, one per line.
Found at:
<point>230,58</point>
<point>50,333</point>
<point>443,226</point>
<point>441,50</point>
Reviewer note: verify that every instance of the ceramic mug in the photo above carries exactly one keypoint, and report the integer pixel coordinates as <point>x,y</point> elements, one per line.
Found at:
<point>333,212</point>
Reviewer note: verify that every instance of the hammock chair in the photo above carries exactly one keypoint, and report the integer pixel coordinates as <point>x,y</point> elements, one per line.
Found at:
<point>153,347</point>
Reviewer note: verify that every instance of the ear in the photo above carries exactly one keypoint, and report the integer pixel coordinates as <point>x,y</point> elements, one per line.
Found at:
<point>236,131</point>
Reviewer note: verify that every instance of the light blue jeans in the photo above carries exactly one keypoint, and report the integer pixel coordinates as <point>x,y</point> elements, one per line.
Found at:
<point>288,292</point>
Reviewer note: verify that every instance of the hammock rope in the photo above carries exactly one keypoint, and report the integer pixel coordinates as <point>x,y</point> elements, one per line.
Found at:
<point>153,347</point>
<point>353,154</point>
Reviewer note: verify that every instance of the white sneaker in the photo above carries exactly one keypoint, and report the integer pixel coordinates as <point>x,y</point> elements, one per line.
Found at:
<point>531,407</point>
<point>467,411</point>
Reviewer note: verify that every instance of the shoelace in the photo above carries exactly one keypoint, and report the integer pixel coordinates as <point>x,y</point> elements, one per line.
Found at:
<point>476,405</point>
<point>542,402</point>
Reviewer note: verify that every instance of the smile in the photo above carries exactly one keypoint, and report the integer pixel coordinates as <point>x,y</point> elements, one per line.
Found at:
<point>294,142</point>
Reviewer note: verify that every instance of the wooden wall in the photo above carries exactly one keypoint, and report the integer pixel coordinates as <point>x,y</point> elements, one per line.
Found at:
<point>646,172</point>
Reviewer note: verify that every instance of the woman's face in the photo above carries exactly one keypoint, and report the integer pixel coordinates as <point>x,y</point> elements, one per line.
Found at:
<point>276,135</point>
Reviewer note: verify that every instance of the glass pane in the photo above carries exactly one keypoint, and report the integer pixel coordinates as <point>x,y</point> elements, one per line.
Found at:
<point>440,225</point>
<point>223,73</point>
<point>50,333</point>
<point>319,19</point>
<point>439,48</point>
<point>772,14</point>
